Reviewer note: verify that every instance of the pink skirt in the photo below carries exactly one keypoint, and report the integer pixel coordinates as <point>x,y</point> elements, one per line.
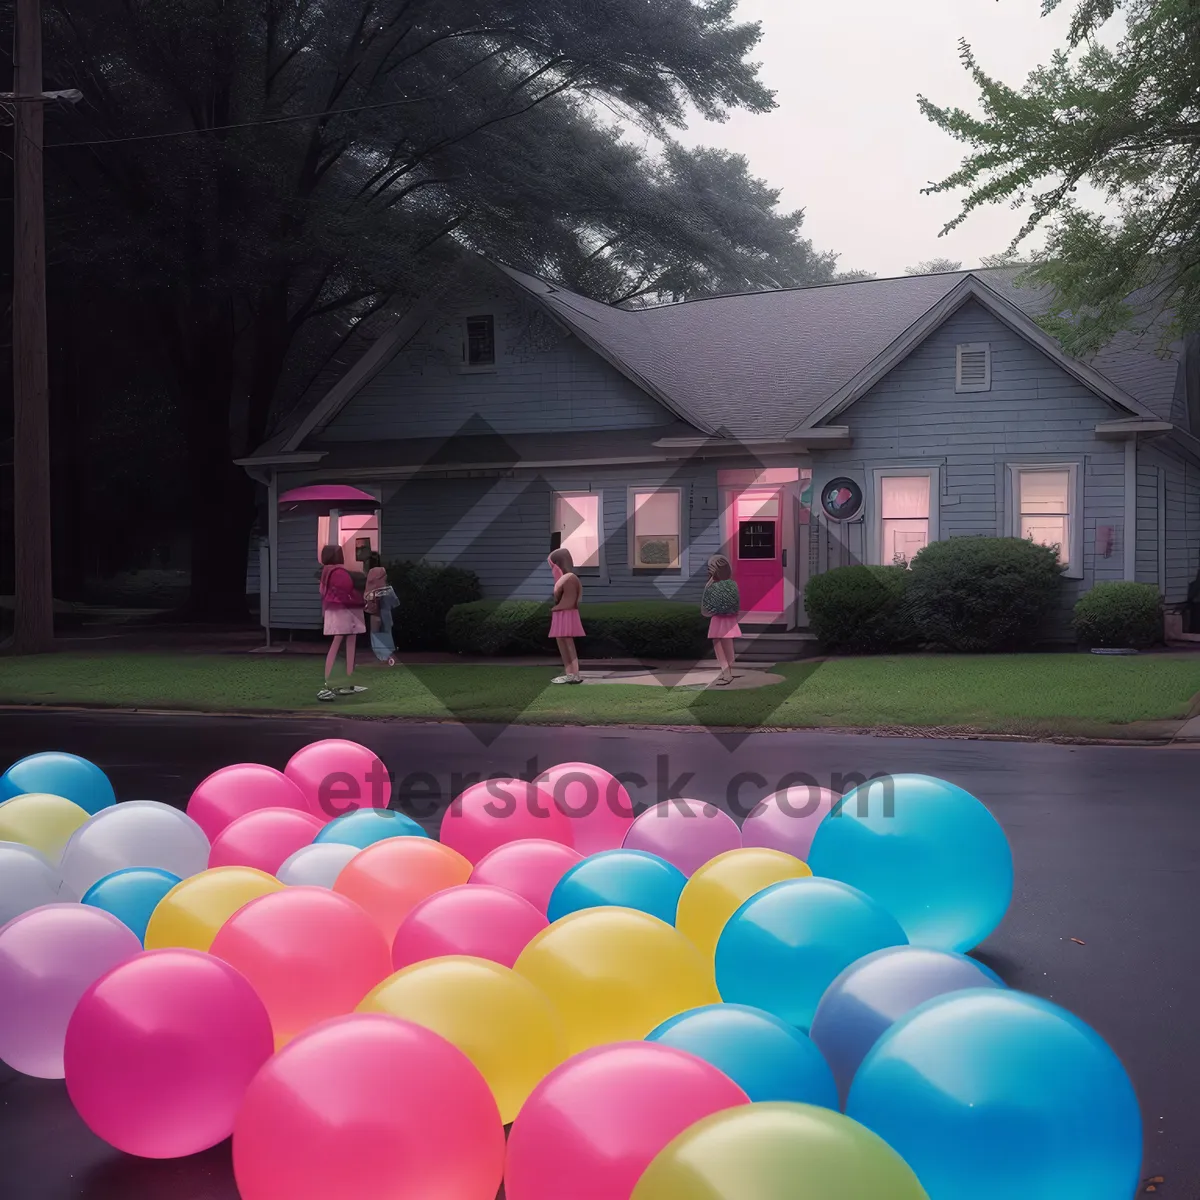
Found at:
<point>566,623</point>
<point>344,620</point>
<point>724,627</point>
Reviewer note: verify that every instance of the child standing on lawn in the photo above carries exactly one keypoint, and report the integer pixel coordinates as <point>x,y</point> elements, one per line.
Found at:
<point>722,602</point>
<point>380,599</point>
<point>342,609</point>
<point>565,625</point>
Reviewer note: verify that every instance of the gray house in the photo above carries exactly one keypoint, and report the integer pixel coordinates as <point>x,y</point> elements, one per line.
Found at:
<point>793,431</point>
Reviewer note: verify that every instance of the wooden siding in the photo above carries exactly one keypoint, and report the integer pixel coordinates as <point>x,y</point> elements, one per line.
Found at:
<point>1181,535</point>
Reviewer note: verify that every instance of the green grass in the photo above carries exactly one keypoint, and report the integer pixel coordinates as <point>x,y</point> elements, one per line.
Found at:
<point>1063,693</point>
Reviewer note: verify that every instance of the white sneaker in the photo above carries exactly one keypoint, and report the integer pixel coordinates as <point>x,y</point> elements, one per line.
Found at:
<point>563,679</point>
<point>326,694</point>
<point>351,690</point>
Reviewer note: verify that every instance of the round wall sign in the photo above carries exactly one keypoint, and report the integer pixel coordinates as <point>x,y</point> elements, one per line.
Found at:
<point>841,499</point>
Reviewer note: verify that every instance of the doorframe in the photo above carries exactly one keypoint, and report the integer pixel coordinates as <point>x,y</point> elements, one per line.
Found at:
<point>728,496</point>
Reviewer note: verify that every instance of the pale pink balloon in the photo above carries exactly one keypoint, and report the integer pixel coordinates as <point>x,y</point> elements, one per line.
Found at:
<point>531,868</point>
<point>593,1125</point>
<point>597,803</point>
<point>497,811</point>
<point>687,833</point>
<point>233,791</point>
<point>788,819</point>
<point>263,839</point>
<point>338,776</point>
<point>483,922</point>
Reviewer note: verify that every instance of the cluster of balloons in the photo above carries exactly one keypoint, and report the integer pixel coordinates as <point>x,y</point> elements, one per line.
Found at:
<point>553,994</point>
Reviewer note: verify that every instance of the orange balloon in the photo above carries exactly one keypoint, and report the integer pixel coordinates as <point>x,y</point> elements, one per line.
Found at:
<point>391,877</point>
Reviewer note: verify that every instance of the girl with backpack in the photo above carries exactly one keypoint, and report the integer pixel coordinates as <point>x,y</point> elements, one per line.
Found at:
<point>722,602</point>
<point>342,609</point>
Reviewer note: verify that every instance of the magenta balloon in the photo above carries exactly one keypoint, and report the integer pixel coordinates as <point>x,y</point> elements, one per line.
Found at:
<point>264,839</point>
<point>788,819</point>
<point>49,957</point>
<point>338,776</point>
<point>234,791</point>
<point>483,922</point>
<point>497,811</point>
<point>370,1107</point>
<point>594,1124</point>
<point>687,833</point>
<point>160,1051</point>
<point>531,868</point>
<point>597,803</point>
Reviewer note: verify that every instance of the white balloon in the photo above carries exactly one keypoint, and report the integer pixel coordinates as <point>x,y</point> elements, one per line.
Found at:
<point>134,833</point>
<point>27,880</point>
<point>316,865</point>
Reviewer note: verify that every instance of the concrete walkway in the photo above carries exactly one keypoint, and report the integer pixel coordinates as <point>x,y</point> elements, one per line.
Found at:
<point>698,677</point>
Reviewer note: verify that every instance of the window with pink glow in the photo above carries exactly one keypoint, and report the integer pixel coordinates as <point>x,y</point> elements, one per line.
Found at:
<point>904,517</point>
<point>655,531</point>
<point>356,533</point>
<point>577,524</point>
<point>1044,506</point>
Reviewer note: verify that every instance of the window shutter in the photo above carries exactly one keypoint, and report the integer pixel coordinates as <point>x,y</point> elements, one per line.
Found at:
<point>973,367</point>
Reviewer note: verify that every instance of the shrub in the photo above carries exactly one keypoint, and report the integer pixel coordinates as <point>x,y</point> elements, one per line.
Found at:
<point>982,593</point>
<point>859,610</point>
<point>1119,615</point>
<point>426,593</point>
<point>638,628</point>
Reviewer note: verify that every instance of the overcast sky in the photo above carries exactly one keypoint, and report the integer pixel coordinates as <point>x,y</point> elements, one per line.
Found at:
<point>847,142</point>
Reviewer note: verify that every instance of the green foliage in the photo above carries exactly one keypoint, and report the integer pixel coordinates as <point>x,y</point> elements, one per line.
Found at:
<point>426,593</point>
<point>722,598</point>
<point>934,266</point>
<point>635,628</point>
<point>1120,616</point>
<point>655,553</point>
<point>1123,120</point>
<point>973,594</point>
<point>859,610</point>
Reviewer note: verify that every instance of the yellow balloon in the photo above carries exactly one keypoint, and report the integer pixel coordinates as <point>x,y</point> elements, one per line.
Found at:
<point>720,887</point>
<point>192,911</point>
<point>614,974</point>
<point>497,1018</point>
<point>42,821</point>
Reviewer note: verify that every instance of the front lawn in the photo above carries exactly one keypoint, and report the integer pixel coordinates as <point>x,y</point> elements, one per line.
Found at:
<point>1047,693</point>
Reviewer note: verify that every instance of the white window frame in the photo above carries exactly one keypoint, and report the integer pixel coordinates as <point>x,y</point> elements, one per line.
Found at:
<point>1074,565</point>
<point>874,506</point>
<point>631,522</point>
<point>968,348</point>
<point>480,368</point>
<point>555,493</point>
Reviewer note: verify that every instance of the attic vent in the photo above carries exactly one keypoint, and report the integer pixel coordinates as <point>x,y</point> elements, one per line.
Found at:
<point>973,369</point>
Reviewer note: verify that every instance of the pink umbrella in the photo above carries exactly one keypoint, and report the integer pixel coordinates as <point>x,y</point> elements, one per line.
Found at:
<point>327,496</point>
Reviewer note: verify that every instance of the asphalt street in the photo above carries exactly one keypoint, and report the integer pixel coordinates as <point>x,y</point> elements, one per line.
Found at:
<point>1106,841</point>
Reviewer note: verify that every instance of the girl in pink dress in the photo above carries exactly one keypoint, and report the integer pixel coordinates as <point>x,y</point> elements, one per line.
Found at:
<point>565,625</point>
<point>722,604</point>
<point>342,610</point>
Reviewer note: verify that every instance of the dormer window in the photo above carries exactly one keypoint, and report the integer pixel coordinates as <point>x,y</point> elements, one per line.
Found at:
<point>973,367</point>
<point>479,342</point>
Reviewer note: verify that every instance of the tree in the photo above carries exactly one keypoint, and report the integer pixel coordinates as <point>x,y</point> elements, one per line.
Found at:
<point>934,266</point>
<point>1124,120</point>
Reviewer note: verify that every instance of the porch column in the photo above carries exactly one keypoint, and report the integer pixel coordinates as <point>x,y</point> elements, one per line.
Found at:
<point>1129,538</point>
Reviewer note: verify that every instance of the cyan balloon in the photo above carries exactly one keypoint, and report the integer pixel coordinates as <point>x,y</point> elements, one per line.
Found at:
<point>60,774</point>
<point>765,1056</point>
<point>995,1094</point>
<point>365,826</point>
<point>870,995</point>
<point>131,895</point>
<point>621,879</point>
<point>929,852</point>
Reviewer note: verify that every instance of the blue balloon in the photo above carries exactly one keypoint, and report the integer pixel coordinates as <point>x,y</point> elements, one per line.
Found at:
<point>789,942</point>
<point>131,895</point>
<point>869,996</point>
<point>365,826</point>
<point>928,851</point>
<point>60,774</point>
<point>622,878</point>
<point>994,1094</point>
<point>766,1057</point>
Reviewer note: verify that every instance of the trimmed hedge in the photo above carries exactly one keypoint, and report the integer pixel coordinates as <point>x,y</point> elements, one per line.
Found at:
<point>859,610</point>
<point>972,594</point>
<point>1119,616</point>
<point>426,593</point>
<point>635,628</point>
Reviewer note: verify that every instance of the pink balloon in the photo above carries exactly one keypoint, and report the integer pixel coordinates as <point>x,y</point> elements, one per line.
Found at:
<point>370,1107</point>
<point>309,952</point>
<point>263,839</point>
<point>687,833</point>
<point>531,868</point>
<point>788,819</point>
<point>497,811</point>
<point>234,791</point>
<point>338,776</point>
<point>597,803</point>
<point>49,957</point>
<point>594,1124</point>
<point>160,1051</point>
<point>483,922</point>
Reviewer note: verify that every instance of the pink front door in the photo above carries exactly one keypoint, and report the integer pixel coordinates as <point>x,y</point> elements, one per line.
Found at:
<point>756,540</point>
